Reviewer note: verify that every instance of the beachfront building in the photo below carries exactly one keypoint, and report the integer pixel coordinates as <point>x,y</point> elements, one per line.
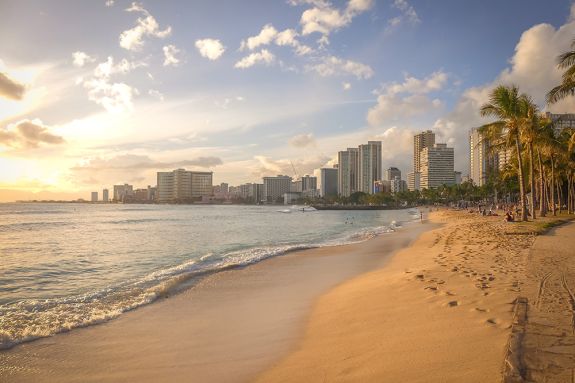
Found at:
<point>105,195</point>
<point>420,141</point>
<point>382,186</point>
<point>181,185</point>
<point>123,192</point>
<point>397,185</point>
<point>275,187</point>
<point>391,173</point>
<point>308,183</point>
<point>414,181</point>
<point>94,197</point>
<point>369,165</point>
<point>483,162</point>
<point>328,184</point>
<point>347,172</point>
<point>437,165</point>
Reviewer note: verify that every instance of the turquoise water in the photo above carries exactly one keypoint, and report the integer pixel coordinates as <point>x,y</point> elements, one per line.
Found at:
<point>69,265</point>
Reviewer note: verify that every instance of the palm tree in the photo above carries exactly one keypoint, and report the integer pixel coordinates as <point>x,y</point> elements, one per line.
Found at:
<point>530,134</point>
<point>507,106</point>
<point>565,61</point>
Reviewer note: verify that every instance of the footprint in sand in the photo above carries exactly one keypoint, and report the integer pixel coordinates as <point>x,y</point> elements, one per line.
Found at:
<point>453,304</point>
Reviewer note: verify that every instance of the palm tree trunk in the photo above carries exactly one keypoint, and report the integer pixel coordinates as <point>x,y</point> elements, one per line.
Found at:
<point>553,186</point>
<point>523,199</point>
<point>532,180</point>
<point>542,193</point>
<point>560,193</point>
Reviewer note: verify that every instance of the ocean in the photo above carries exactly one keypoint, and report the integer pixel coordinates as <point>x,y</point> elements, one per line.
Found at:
<point>64,266</point>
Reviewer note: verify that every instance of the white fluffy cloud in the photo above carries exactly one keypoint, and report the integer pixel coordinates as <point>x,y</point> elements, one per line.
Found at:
<point>335,66</point>
<point>266,166</point>
<point>324,18</point>
<point>264,56</point>
<point>407,99</point>
<point>133,39</point>
<point>270,35</point>
<point>170,52</point>
<point>211,49</point>
<point>115,97</point>
<point>80,59</point>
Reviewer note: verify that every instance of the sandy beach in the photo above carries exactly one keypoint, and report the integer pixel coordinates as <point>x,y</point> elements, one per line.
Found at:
<point>441,311</point>
<point>228,328</point>
<point>463,298</point>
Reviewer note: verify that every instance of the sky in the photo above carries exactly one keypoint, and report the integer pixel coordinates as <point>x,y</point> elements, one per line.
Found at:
<point>102,92</point>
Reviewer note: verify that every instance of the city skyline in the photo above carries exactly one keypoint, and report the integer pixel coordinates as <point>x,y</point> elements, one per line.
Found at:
<point>163,87</point>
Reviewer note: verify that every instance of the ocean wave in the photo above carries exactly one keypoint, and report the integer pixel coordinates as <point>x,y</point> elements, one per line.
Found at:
<point>32,319</point>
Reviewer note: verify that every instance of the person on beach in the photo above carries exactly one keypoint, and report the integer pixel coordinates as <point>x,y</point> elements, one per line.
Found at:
<point>509,217</point>
<point>421,216</point>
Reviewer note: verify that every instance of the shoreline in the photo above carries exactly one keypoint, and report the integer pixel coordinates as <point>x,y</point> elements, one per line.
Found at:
<point>247,293</point>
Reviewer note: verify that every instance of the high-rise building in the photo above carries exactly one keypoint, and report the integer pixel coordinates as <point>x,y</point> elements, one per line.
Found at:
<point>437,165</point>
<point>123,192</point>
<point>183,185</point>
<point>308,183</point>
<point>328,185</point>
<point>94,196</point>
<point>482,160</point>
<point>397,185</point>
<point>348,169</point>
<point>414,181</point>
<point>369,165</point>
<point>105,196</point>
<point>275,187</point>
<point>391,173</point>
<point>421,140</point>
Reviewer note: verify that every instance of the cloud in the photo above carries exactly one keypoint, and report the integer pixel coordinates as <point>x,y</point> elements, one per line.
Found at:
<point>394,107</point>
<point>264,56</point>
<point>346,85</point>
<point>109,3</point>
<point>302,140</point>
<point>266,166</point>
<point>10,88</point>
<point>408,11</point>
<point>133,39</point>
<point>335,66</point>
<point>266,36</point>
<point>130,162</point>
<point>211,49</point>
<point>407,99</point>
<point>434,82</point>
<point>324,19</point>
<point>27,134</point>
<point>80,59</point>
<point>270,35</point>
<point>115,97</point>
<point>170,52</point>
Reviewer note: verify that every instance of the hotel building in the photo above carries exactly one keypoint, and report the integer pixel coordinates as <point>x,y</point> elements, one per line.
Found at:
<point>437,166</point>
<point>328,178</point>
<point>369,165</point>
<point>275,187</point>
<point>183,185</point>
<point>347,172</point>
<point>421,140</point>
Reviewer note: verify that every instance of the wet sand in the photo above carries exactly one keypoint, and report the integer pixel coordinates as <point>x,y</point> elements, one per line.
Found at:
<point>228,328</point>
